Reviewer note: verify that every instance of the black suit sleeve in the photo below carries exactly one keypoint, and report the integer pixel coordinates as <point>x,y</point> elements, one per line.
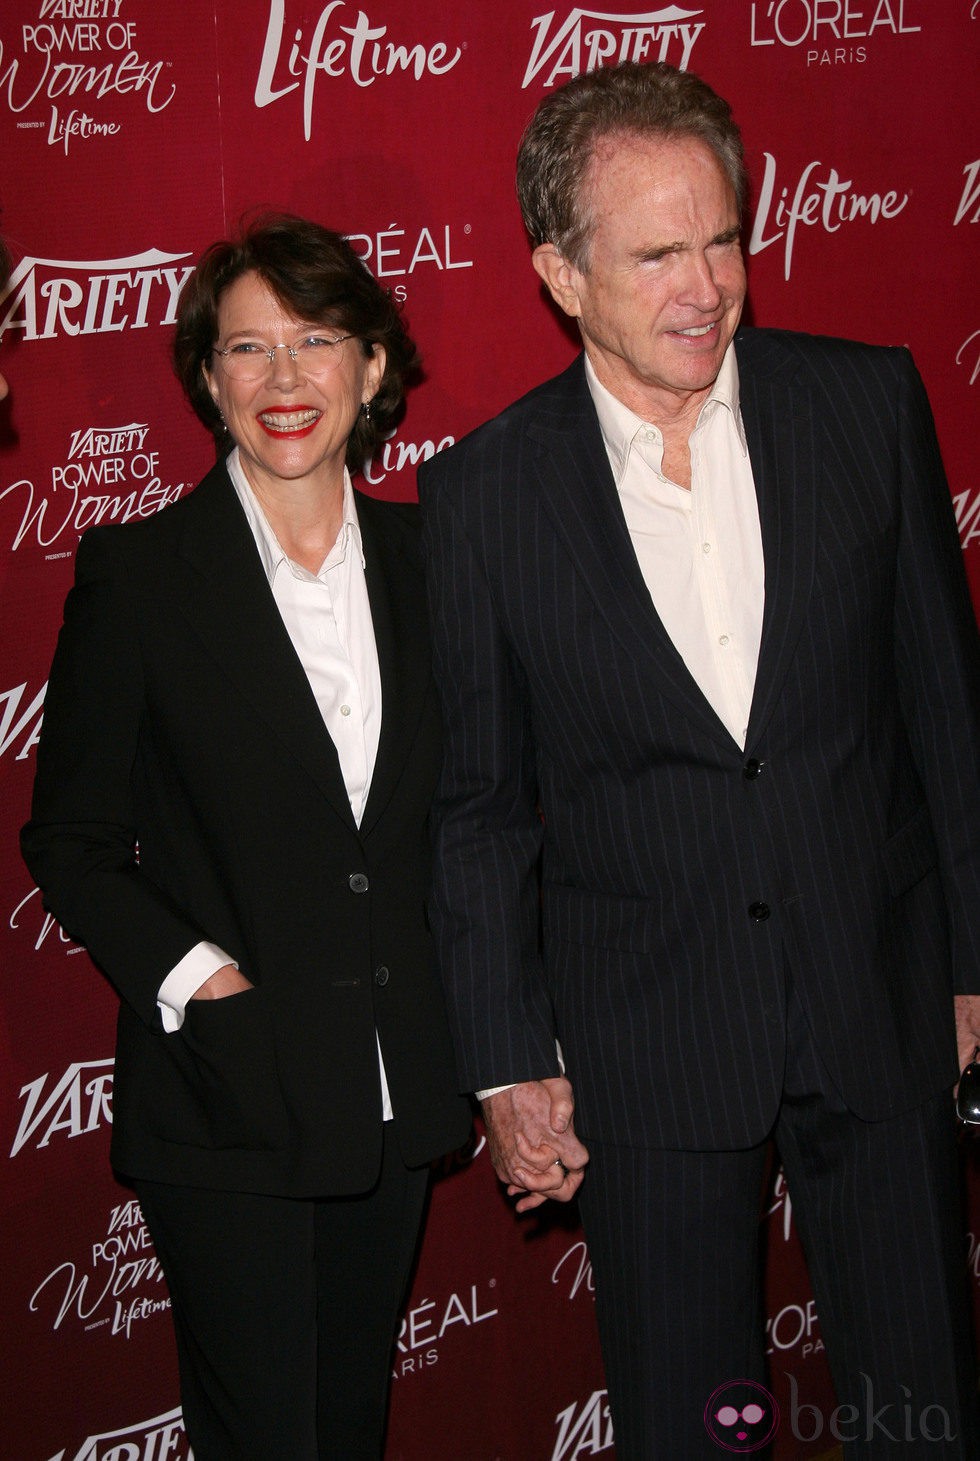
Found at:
<point>81,842</point>
<point>486,905</point>
<point>937,656</point>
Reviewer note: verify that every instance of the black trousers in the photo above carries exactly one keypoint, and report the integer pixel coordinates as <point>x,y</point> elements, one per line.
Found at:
<point>285,1313</point>
<point>674,1241</point>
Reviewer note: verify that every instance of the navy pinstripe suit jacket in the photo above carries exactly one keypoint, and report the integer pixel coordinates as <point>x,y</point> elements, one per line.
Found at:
<point>612,868</point>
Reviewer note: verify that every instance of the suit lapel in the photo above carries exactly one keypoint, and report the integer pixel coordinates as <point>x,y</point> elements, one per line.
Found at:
<point>784,448</point>
<point>579,495</point>
<point>223,591</point>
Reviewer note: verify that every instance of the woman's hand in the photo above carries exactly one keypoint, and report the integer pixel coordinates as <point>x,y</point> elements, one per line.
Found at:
<point>223,982</point>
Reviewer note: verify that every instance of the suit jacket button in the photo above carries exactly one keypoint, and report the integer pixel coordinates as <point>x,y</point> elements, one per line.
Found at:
<point>752,769</point>
<point>381,975</point>
<point>759,912</point>
<point>358,883</point>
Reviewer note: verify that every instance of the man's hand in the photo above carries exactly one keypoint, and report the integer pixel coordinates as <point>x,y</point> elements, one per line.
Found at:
<point>532,1142</point>
<point>223,982</point>
<point>967,1008</point>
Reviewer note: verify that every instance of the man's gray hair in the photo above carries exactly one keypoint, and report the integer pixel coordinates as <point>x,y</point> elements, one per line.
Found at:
<point>633,99</point>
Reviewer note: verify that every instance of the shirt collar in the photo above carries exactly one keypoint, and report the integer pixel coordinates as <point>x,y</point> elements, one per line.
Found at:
<point>619,424</point>
<point>271,552</point>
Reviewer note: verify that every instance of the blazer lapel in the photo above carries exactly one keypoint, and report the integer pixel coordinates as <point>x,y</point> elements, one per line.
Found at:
<point>579,494</point>
<point>395,589</point>
<point>784,448</point>
<point>225,594</point>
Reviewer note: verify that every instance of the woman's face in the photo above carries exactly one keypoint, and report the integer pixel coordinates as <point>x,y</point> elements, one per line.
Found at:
<point>293,422</point>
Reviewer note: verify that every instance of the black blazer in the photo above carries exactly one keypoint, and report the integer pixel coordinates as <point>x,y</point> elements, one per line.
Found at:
<point>187,789</point>
<point>682,879</point>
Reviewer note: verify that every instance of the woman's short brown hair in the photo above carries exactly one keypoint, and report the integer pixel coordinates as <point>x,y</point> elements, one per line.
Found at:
<point>316,275</point>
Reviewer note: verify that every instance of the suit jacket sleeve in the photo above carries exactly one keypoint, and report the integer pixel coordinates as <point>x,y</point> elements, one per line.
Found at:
<point>485,912</point>
<point>80,844</point>
<point>937,655</point>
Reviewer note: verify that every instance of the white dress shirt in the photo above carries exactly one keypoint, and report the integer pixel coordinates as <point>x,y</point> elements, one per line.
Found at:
<point>327,616</point>
<point>699,550</point>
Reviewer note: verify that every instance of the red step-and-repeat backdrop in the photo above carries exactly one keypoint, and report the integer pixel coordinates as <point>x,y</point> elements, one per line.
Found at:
<point>133,134</point>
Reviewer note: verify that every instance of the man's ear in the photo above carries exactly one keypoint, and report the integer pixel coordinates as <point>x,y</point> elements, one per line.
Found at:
<point>559,277</point>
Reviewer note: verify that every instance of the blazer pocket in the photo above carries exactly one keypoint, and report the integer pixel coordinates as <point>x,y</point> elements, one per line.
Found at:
<point>231,1045</point>
<point>910,854</point>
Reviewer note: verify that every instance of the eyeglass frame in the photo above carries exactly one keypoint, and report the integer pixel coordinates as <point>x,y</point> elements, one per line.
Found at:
<point>291,350</point>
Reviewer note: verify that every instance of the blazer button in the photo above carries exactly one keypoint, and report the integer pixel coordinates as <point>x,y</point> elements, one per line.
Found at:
<point>759,912</point>
<point>752,769</point>
<point>381,975</point>
<point>358,883</point>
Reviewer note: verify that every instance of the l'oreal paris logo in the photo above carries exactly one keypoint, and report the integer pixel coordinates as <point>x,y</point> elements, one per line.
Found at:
<point>826,22</point>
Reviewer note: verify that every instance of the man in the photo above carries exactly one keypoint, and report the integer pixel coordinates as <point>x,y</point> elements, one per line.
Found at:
<point>707,654</point>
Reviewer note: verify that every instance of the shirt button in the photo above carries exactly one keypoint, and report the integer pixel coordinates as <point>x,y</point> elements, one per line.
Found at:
<point>759,912</point>
<point>358,883</point>
<point>345,710</point>
<point>381,975</point>
<point>752,769</point>
<point>723,640</point>
<point>705,547</point>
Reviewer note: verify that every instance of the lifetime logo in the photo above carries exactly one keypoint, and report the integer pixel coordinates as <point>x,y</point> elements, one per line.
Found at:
<point>587,39</point>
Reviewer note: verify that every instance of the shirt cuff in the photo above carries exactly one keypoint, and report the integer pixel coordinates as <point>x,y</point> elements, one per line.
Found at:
<point>185,979</point>
<point>495,1090</point>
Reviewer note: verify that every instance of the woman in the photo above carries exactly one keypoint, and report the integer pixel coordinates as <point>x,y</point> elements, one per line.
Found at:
<point>239,748</point>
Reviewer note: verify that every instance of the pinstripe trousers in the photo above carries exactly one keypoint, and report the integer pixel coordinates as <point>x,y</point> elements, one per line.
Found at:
<point>674,1238</point>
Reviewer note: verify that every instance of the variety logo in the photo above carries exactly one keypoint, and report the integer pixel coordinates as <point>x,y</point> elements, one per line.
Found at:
<point>828,28</point>
<point>819,199</point>
<point>122,1262</point>
<point>333,49</point>
<point>587,39</point>
<point>585,1430</point>
<point>110,475</point>
<point>79,1102</point>
<point>48,297</point>
<point>967,506</point>
<point>104,62</point>
<point>20,726</point>
<point>424,1325</point>
<point>159,1439</point>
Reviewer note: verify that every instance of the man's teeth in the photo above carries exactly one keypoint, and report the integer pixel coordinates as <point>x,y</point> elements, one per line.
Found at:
<point>288,420</point>
<point>697,330</point>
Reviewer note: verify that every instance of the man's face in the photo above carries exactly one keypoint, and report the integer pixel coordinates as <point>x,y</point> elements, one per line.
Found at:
<point>661,292</point>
